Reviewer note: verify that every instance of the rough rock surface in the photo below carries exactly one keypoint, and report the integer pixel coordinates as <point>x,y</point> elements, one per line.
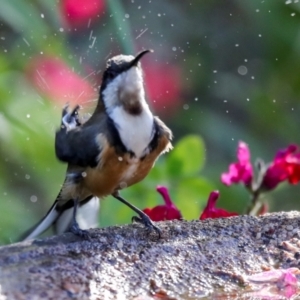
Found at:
<point>191,260</point>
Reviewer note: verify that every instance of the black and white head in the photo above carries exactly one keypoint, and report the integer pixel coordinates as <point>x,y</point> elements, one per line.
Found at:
<point>122,83</point>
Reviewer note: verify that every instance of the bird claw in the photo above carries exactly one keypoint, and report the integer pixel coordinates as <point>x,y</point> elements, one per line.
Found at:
<point>75,229</point>
<point>70,120</point>
<point>146,221</point>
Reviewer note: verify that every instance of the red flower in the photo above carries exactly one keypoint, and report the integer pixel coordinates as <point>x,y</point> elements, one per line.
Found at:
<point>78,13</point>
<point>54,78</point>
<point>211,211</point>
<point>168,211</point>
<point>264,209</point>
<point>240,171</point>
<point>285,166</point>
<point>163,85</point>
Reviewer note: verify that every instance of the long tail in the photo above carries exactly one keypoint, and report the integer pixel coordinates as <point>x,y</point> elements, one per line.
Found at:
<point>42,225</point>
<point>60,217</point>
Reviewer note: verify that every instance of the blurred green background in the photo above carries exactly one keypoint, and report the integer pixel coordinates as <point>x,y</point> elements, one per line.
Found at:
<point>223,70</point>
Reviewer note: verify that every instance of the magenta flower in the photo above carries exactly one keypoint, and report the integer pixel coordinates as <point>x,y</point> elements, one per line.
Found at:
<point>165,93</point>
<point>168,211</point>
<point>240,171</point>
<point>56,80</point>
<point>78,13</point>
<point>285,166</point>
<point>211,211</point>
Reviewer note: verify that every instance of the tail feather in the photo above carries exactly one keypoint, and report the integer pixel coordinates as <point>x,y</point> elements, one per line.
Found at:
<point>87,215</point>
<point>60,217</point>
<point>42,225</point>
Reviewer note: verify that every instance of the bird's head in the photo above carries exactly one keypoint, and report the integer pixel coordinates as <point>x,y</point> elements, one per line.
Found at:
<point>122,83</point>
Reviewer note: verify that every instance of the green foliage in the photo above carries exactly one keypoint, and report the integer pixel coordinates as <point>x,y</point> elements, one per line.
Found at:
<point>188,157</point>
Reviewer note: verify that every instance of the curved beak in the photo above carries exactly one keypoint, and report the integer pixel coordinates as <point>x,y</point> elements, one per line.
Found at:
<point>135,61</point>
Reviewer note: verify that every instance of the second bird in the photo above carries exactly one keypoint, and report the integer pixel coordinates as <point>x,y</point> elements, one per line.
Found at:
<point>114,149</point>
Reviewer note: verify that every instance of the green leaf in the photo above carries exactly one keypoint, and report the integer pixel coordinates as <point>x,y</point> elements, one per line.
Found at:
<point>187,157</point>
<point>191,196</point>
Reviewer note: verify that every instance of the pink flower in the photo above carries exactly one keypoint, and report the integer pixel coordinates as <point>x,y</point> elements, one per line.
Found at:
<point>168,211</point>
<point>240,171</point>
<point>163,85</point>
<point>78,13</point>
<point>275,283</point>
<point>211,211</point>
<point>285,166</point>
<point>54,78</point>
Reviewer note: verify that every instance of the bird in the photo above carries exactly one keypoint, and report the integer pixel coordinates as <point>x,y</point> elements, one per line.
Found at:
<point>112,150</point>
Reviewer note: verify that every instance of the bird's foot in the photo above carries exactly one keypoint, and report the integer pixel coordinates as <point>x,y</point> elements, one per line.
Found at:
<point>75,229</point>
<point>146,221</point>
<point>70,119</point>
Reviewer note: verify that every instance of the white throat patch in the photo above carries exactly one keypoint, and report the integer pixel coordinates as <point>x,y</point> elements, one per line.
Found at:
<point>135,131</point>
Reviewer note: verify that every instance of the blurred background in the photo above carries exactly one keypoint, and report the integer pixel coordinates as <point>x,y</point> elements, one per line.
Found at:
<point>221,71</point>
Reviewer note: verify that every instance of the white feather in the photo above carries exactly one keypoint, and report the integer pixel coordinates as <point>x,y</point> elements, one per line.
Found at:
<point>86,217</point>
<point>135,130</point>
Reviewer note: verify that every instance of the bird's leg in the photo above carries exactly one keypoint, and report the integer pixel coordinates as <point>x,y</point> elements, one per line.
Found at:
<point>74,228</point>
<point>70,120</point>
<point>142,218</point>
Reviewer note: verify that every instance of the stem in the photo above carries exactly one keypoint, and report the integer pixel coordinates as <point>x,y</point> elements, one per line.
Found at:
<point>255,204</point>
<point>124,35</point>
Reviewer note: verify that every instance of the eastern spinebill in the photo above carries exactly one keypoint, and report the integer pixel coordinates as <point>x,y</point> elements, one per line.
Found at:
<point>115,148</point>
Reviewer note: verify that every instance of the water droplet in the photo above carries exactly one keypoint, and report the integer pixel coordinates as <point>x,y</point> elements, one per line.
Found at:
<point>28,116</point>
<point>33,198</point>
<point>242,70</point>
<point>83,174</point>
<point>186,107</point>
<point>27,176</point>
<point>174,48</point>
<point>196,99</point>
<point>127,16</point>
<point>120,158</point>
<point>42,16</point>
<point>293,14</point>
